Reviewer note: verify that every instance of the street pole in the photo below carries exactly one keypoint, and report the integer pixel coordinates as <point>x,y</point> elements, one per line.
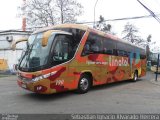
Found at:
<point>95,12</point>
<point>157,68</point>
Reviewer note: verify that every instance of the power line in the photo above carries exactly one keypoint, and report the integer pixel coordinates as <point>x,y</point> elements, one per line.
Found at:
<point>116,19</point>
<point>120,19</point>
<point>150,11</point>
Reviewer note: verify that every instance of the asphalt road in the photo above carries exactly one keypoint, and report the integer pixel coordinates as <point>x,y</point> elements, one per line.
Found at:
<point>122,97</point>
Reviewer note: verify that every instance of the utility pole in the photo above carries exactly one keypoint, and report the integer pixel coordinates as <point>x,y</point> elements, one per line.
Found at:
<point>150,11</point>
<point>24,16</point>
<point>95,12</point>
<point>157,67</point>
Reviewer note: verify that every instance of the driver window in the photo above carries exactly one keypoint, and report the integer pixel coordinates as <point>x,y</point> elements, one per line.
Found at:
<point>63,49</point>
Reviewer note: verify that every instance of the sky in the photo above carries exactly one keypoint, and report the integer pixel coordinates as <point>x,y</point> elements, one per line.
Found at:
<point>109,9</point>
<point>9,14</point>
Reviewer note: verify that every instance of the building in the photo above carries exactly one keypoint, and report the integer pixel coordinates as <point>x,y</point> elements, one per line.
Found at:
<point>6,54</point>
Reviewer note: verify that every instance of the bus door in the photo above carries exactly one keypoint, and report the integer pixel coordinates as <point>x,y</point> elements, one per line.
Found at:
<point>63,53</point>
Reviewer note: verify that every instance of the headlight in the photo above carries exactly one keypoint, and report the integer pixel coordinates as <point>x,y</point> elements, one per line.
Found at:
<point>43,76</point>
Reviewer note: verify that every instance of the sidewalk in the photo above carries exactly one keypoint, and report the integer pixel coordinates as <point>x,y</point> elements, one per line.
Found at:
<point>156,82</point>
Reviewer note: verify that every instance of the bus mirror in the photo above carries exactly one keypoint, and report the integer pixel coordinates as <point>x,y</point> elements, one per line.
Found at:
<point>45,38</point>
<point>15,42</point>
<point>15,67</point>
<point>13,46</point>
<point>44,42</point>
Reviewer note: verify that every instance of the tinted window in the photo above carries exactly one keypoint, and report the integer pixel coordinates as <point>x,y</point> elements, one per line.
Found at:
<point>109,46</point>
<point>130,49</point>
<point>122,49</point>
<point>93,44</point>
<point>63,49</point>
<point>76,33</point>
<point>142,54</point>
<point>37,56</point>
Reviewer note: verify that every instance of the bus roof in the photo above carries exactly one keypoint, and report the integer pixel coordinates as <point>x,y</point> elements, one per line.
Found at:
<point>85,28</point>
<point>113,37</point>
<point>78,26</point>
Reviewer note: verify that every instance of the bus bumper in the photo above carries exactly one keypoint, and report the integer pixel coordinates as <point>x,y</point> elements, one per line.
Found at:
<point>42,86</point>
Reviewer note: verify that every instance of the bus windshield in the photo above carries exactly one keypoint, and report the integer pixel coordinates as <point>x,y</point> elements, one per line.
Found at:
<point>61,48</point>
<point>35,56</point>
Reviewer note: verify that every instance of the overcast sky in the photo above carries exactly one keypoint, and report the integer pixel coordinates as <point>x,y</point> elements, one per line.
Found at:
<point>112,9</point>
<point>109,9</point>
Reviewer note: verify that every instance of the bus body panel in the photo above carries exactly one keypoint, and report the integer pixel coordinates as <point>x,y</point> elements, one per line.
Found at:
<point>67,78</point>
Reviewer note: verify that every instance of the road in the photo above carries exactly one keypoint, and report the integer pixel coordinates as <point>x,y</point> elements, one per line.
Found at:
<point>122,97</point>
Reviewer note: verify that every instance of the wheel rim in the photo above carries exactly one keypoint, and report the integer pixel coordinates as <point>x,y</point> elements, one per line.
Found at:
<point>84,84</point>
<point>135,76</point>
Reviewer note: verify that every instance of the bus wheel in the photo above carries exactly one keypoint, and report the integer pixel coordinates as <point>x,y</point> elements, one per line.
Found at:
<point>84,84</point>
<point>135,76</point>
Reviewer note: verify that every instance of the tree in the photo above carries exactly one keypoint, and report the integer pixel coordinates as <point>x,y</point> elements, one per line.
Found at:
<point>130,34</point>
<point>68,10</point>
<point>50,12</point>
<point>149,38</point>
<point>101,25</point>
<point>149,44</point>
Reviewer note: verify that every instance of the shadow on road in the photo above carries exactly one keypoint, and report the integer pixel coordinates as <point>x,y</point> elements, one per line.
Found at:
<point>58,96</point>
<point>48,97</point>
<point>115,84</point>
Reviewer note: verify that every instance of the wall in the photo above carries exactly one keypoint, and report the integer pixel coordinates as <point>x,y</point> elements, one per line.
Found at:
<point>5,47</point>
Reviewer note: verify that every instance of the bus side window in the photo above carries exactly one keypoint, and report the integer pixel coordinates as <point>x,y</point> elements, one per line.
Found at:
<point>142,54</point>
<point>109,46</point>
<point>125,53</point>
<point>121,49</point>
<point>128,54</point>
<point>131,51</point>
<point>120,52</point>
<point>93,45</point>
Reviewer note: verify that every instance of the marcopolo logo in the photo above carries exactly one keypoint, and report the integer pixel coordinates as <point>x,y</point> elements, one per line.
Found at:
<point>59,82</point>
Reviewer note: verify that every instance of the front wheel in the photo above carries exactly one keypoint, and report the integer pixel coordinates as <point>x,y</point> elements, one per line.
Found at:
<point>84,84</point>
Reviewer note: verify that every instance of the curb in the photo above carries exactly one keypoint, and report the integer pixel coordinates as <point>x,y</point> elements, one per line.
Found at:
<point>155,82</point>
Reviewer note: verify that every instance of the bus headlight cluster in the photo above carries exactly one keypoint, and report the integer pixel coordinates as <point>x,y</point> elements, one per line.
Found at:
<point>43,76</point>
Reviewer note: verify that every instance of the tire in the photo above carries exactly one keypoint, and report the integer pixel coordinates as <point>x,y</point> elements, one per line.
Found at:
<point>84,84</point>
<point>135,78</point>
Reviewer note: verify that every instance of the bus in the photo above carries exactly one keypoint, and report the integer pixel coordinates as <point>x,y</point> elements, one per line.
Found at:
<point>77,57</point>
